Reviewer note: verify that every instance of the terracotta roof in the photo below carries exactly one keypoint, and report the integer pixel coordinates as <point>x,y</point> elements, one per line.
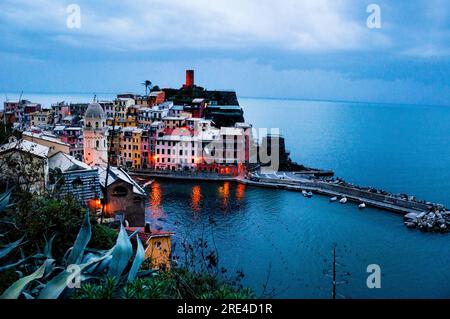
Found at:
<point>145,237</point>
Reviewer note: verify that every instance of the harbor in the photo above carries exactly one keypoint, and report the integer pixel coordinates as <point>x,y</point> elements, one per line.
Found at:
<point>437,216</point>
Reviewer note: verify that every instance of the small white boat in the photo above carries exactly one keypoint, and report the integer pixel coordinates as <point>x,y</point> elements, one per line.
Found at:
<point>333,199</point>
<point>343,200</point>
<point>307,194</point>
<point>362,205</point>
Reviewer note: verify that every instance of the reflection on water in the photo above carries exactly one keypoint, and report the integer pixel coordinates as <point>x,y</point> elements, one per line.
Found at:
<point>155,201</point>
<point>196,196</point>
<point>224,194</point>
<point>240,192</point>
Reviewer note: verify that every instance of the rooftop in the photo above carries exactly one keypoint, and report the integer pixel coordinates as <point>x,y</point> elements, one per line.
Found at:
<point>115,174</point>
<point>44,137</point>
<point>26,146</point>
<point>144,236</point>
<point>66,163</point>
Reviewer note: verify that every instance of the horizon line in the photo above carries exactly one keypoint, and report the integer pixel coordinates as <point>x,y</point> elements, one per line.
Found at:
<point>251,97</point>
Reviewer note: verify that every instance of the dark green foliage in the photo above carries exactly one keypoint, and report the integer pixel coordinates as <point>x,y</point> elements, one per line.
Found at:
<point>8,131</point>
<point>7,278</point>
<point>103,237</point>
<point>174,284</point>
<point>41,217</point>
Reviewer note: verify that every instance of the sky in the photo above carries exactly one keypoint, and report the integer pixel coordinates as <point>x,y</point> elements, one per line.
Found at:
<point>317,49</point>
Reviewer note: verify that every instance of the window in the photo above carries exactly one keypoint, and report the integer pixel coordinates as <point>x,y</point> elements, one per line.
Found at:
<point>119,191</point>
<point>77,182</point>
<point>97,144</point>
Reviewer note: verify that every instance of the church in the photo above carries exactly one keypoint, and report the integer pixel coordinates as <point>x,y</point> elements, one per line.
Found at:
<point>95,135</point>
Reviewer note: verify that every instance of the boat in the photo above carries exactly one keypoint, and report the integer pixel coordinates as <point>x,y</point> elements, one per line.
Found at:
<point>333,199</point>
<point>343,200</point>
<point>362,205</point>
<point>307,194</point>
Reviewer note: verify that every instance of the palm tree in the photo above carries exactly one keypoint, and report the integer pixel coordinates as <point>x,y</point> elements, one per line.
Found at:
<point>147,84</point>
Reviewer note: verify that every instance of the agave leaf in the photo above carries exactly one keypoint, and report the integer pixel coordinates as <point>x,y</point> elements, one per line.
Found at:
<point>19,262</point>
<point>14,291</point>
<point>138,259</point>
<point>58,284</point>
<point>83,238</point>
<point>8,248</point>
<point>102,266</point>
<point>27,295</point>
<point>4,200</point>
<point>48,247</point>
<point>121,252</point>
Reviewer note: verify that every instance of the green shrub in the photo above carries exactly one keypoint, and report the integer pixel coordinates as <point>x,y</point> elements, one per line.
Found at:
<point>103,237</point>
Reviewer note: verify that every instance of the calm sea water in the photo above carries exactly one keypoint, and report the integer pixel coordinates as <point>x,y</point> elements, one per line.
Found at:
<point>285,239</point>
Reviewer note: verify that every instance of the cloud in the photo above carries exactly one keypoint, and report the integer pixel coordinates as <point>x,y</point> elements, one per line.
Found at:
<point>299,25</point>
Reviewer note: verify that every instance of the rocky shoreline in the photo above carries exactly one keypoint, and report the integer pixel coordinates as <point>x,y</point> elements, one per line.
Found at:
<point>437,221</point>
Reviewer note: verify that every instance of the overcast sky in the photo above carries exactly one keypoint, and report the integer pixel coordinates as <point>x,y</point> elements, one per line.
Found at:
<point>318,49</point>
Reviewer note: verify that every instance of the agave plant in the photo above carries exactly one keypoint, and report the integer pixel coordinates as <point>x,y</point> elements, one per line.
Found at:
<point>52,279</point>
<point>4,200</point>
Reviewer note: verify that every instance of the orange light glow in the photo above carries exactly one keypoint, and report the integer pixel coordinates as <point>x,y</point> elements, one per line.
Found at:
<point>155,201</point>
<point>240,192</point>
<point>224,192</point>
<point>196,196</point>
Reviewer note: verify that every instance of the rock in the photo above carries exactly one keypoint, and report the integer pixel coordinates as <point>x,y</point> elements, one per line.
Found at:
<point>429,226</point>
<point>410,224</point>
<point>410,216</point>
<point>443,226</point>
<point>421,215</point>
<point>431,215</point>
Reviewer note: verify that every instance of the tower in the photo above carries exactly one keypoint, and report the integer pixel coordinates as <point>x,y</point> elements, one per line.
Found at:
<point>189,79</point>
<point>95,134</point>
